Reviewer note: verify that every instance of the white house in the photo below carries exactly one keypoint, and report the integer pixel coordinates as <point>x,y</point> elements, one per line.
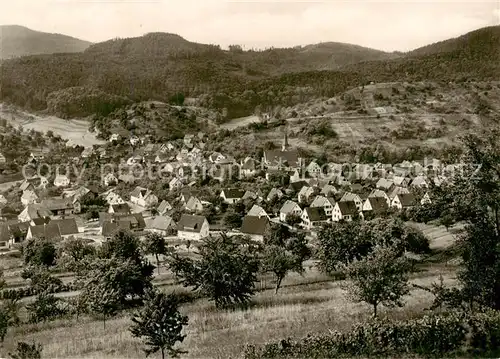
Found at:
<point>191,227</point>
<point>349,196</point>
<point>28,197</point>
<point>232,195</point>
<point>313,217</point>
<point>403,201</point>
<point>289,208</point>
<point>327,203</point>
<point>248,167</point>
<point>328,190</point>
<point>143,197</point>
<point>134,140</point>
<point>2,158</point>
<point>344,211</point>
<point>257,211</point>
<point>3,200</point>
<point>274,193</point>
<point>375,204</point>
<point>384,184</point>
<point>164,207</point>
<point>401,181</point>
<point>426,199</point>
<point>61,181</point>
<point>313,169</point>
<point>419,182</point>
<point>304,194</point>
<point>163,225</point>
<point>114,137</point>
<point>113,198</point>
<point>194,205</point>
<point>175,183</point>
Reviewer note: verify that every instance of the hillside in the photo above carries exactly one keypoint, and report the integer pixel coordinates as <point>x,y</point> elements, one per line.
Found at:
<point>158,66</point>
<point>18,41</point>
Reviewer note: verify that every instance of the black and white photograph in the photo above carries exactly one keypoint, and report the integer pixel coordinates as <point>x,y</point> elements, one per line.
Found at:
<point>236,179</point>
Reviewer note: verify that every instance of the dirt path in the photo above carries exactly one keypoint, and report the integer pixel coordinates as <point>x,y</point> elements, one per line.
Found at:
<point>75,131</point>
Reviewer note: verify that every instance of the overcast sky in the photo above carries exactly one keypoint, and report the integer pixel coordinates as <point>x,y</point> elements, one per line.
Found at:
<point>391,25</point>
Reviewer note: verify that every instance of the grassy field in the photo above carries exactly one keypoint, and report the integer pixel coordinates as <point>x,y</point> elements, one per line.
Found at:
<point>312,303</point>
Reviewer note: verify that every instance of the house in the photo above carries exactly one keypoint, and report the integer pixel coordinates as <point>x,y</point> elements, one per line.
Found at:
<point>273,194</point>
<point>33,211</point>
<point>175,183</point>
<point>426,199</point>
<point>313,169</point>
<point>328,190</point>
<point>297,186</point>
<point>5,236</point>
<point>86,153</point>
<point>397,190</point>
<point>36,156</point>
<point>163,225</point>
<point>401,181</point>
<point>313,217</point>
<point>143,197</point>
<point>349,196</point>
<point>28,197</point>
<point>257,211</point>
<point>167,147</point>
<point>134,140</point>
<point>163,208</point>
<point>288,209</point>
<point>192,227</point>
<point>384,184</point>
<point>60,207</point>
<point>250,195</point>
<point>344,211</point>
<point>296,175</point>
<point>232,195</point>
<point>377,205</point>
<point>188,139</point>
<point>381,194</point>
<point>110,180</point>
<point>403,201</point>
<point>56,229</point>
<point>257,228</point>
<point>112,223</point>
<point>61,181</point>
<point>112,198</point>
<point>419,182</point>
<point>194,205</point>
<point>305,193</point>
<point>248,167</point>
<point>282,159</point>
<point>114,137</point>
<point>2,158</point>
<point>3,200</point>
<point>121,208</point>
<point>327,203</point>
<point>133,160</point>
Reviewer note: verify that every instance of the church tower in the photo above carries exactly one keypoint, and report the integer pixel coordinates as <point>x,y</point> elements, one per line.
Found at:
<point>285,143</point>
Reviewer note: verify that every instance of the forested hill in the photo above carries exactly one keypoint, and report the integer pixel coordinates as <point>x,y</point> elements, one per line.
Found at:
<point>158,66</point>
<point>18,41</point>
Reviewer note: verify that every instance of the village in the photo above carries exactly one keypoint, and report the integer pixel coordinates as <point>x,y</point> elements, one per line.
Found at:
<point>302,196</point>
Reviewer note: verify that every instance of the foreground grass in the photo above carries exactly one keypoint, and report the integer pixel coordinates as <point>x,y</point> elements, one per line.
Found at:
<point>305,305</point>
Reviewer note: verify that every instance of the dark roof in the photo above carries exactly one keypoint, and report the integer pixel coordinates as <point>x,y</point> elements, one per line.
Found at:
<point>39,221</point>
<point>4,232</point>
<point>121,208</point>
<point>139,191</point>
<point>55,204</point>
<point>133,219</point>
<point>297,186</point>
<point>347,208</point>
<point>316,214</point>
<point>407,199</point>
<point>110,228</point>
<point>233,192</point>
<point>254,225</point>
<point>66,226</point>
<point>379,204</point>
<point>190,223</point>
<point>277,157</point>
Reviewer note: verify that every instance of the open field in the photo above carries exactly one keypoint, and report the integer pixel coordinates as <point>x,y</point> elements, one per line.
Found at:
<point>312,303</point>
<point>75,131</point>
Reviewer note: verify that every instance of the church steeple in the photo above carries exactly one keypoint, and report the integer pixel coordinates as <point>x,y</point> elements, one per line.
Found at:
<point>285,143</point>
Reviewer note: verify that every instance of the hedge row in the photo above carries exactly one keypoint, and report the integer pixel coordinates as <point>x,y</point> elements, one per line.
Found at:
<point>436,335</point>
<point>19,293</point>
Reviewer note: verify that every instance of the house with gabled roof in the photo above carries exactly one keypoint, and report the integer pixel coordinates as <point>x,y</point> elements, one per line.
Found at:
<point>163,225</point>
<point>257,211</point>
<point>289,208</point>
<point>61,181</point>
<point>192,227</point>
<point>55,229</point>
<point>143,197</point>
<point>397,190</point>
<point>110,180</point>
<point>59,207</point>
<point>255,227</point>
<point>121,208</point>
<point>384,184</point>
<point>313,169</point>
<point>193,204</point>
<point>3,200</point>
<point>29,196</point>
<point>274,193</point>
<point>313,217</point>
<point>328,190</point>
<point>401,181</point>
<point>251,195</point>
<point>33,211</point>
<point>232,195</point>
<point>344,211</point>
<point>426,199</point>
<point>164,208</point>
<point>403,201</point>
<point>2,158</point>
<point>248,167</point>
<point>349,196</point>
<point>376,205</point>
<point>381,194</point>
<point>327,203</point>
<point>419,182</point>
<point>305,193</point>
<point>175,183</point>
<point>112,197</point>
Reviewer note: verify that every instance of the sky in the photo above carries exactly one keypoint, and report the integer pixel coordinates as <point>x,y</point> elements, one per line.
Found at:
<point>385,25</point>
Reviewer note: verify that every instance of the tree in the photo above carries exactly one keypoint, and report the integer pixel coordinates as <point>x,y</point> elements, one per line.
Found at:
<point>4,323</point>
<point>77,251</point>
<point>379,278</point>
<point>160,323</point>
<point>101,299</point>
<point>45,307</point>
<point>446,221</point>
<point>41,280</point>
<point>27,351</point>
<point>155,244</point>
<point>279,261</point>
<point>225,271</point>
<point>293,219</point>
<point>39,252</point>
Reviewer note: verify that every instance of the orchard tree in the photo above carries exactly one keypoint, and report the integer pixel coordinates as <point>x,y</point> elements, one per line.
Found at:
<point>225,272</point>
<point>45,307</point>
<point>4,323</point>
<point>41,279</point>
<point>156,245</point>
<point>160,323</point>
<point>39,252</point>
<point>379,278</point>
<point>279,261</point>
<point>27,351</point>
